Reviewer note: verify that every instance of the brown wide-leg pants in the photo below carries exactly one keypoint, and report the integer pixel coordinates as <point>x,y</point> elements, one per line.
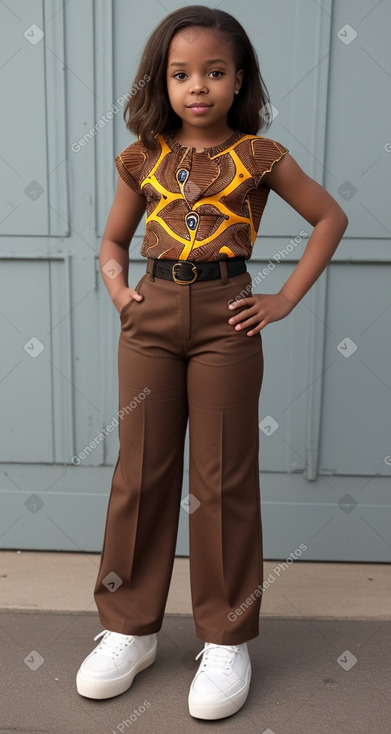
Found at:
<point>180,360</point>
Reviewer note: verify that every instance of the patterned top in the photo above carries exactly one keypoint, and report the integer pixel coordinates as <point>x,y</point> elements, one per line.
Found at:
<point>205,205</point>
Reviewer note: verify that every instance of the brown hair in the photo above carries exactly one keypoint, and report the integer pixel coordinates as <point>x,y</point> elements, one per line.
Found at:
<point>148,112</point>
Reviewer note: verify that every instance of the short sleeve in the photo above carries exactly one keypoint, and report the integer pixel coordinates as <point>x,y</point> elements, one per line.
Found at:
<point>266,153</point>
<point>129,163</point>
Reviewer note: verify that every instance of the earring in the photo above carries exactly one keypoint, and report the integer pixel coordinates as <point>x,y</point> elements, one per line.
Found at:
<point>237,91</point>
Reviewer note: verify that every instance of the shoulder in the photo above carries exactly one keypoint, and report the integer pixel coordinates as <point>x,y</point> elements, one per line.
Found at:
<point>132,163</point>
<point>136,157</point>
<point>264,153</point>
<point>133,156</point>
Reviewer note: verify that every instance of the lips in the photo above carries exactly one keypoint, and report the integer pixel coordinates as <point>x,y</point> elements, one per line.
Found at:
<point>199,104</point>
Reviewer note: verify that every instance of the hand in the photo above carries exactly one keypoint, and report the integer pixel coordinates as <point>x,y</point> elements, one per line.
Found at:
<point>123,296</point>
<point>260,310</point>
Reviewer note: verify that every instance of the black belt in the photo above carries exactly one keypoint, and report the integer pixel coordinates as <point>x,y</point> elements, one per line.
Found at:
<point>186,271</point>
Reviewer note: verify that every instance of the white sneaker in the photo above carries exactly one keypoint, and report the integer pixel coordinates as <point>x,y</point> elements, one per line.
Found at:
<point>221,684</point>
<point>109,669</point>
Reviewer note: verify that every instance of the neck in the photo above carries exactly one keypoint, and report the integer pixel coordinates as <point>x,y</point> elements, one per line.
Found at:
<point>200,138</point>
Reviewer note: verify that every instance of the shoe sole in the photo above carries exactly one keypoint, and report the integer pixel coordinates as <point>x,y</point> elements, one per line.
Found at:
<point>221,709</point>
<point>93,688</point>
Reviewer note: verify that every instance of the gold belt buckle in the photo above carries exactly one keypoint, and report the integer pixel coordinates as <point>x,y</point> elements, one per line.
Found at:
<point>184,282</point>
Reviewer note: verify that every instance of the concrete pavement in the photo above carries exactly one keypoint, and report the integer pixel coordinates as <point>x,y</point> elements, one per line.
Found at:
<point>321,663</point>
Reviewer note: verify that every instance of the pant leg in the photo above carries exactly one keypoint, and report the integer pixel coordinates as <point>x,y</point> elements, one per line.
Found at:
<point>224,379</point>
<point>143,512</point>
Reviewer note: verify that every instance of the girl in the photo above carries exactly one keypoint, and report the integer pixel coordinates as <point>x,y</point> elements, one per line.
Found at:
<point>190,349</point>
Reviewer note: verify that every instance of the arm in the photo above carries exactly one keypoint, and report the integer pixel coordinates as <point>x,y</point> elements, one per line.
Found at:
<point>316,205</point>
<point>319,208</point>
<point>125,214</point>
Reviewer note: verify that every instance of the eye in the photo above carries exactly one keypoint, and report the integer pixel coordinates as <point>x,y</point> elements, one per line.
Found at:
<point>182,74</point>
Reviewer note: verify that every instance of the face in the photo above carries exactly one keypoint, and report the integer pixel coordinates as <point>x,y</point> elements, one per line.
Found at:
<point>201,69</point>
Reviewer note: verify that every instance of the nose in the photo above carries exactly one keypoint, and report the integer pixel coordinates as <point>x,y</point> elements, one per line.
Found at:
<point>197,86</point>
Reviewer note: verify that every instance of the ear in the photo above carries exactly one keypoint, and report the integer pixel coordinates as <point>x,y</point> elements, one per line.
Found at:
<point>239,78</point>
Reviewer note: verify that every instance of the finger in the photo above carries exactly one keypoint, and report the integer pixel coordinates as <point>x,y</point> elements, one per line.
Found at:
<point>241,324</point>
<point>239,302</point>
<point>238,317</point>
<point>257,329</point>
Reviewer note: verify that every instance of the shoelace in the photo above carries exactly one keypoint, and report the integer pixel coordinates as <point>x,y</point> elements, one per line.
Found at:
<point>218,655</point>
<point>112,642</point>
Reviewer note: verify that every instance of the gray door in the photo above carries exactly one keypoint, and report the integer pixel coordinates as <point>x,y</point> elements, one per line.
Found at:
<point>325,439</point>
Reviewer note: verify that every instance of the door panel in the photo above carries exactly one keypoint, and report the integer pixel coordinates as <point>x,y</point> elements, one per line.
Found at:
<point>324,407</point>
